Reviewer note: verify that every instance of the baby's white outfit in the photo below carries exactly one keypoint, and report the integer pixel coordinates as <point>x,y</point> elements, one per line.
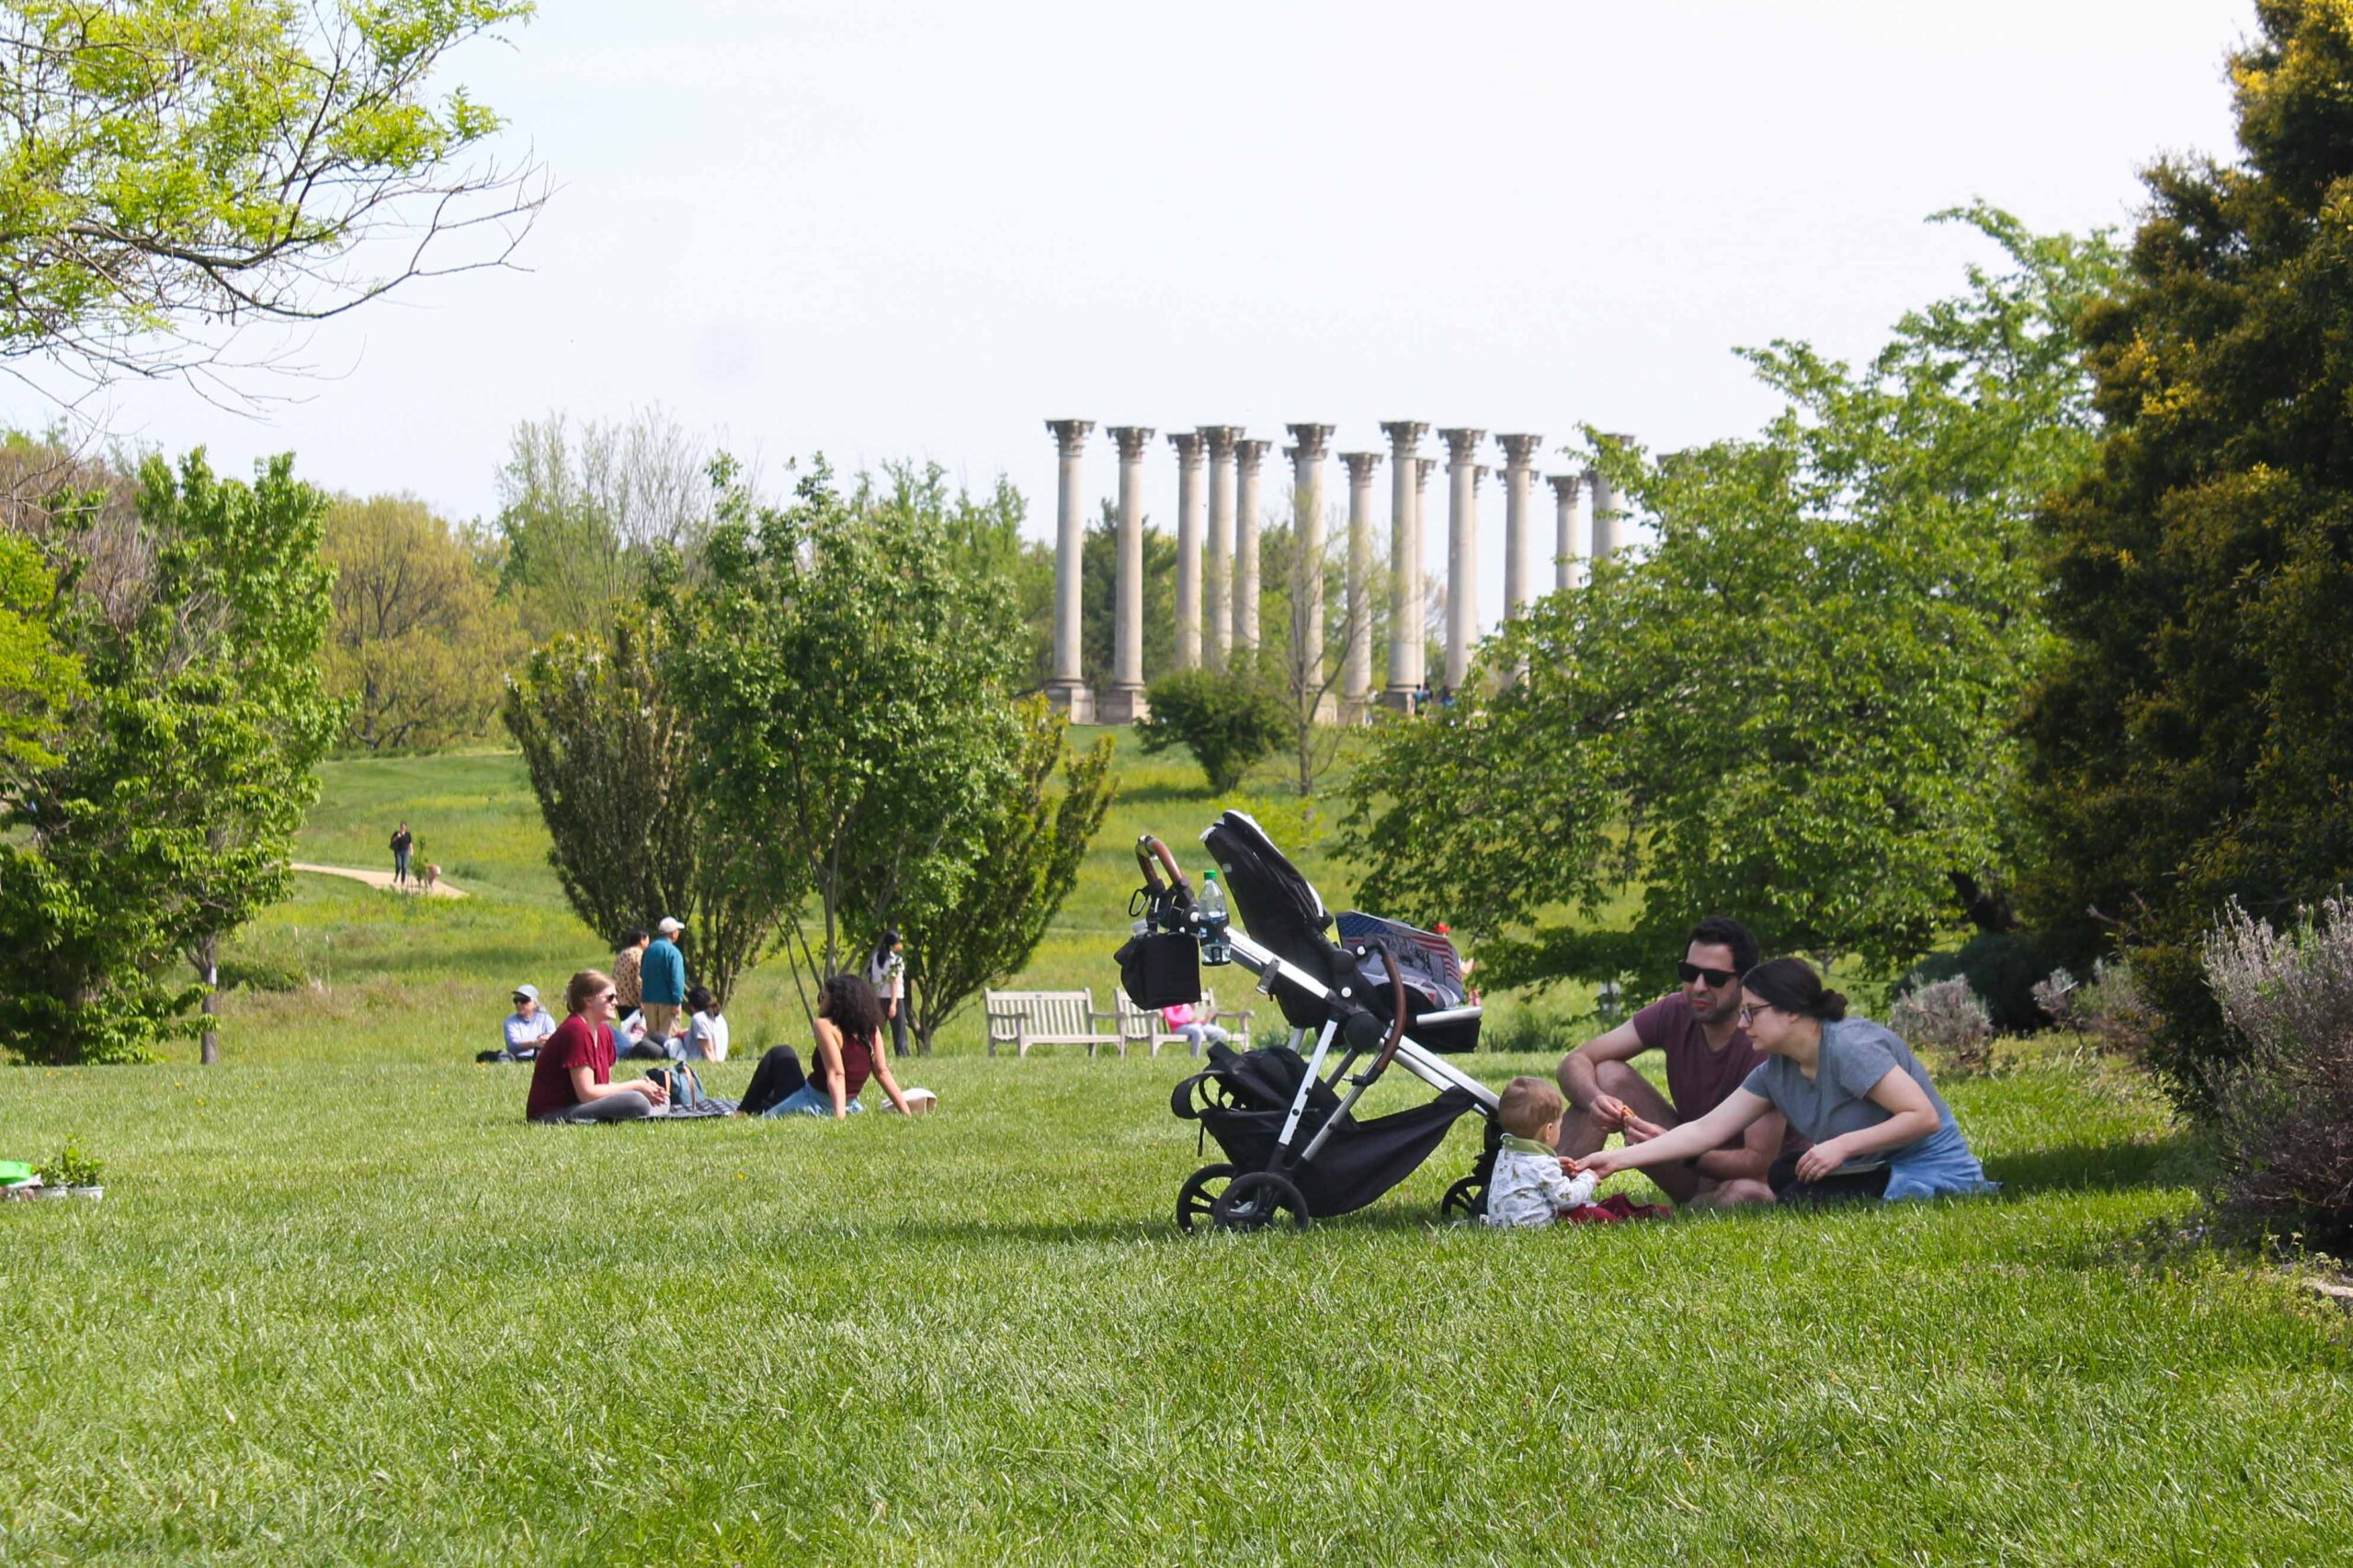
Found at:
<point>1529,1189</point>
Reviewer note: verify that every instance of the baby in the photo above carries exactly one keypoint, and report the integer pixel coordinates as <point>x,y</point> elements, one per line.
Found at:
<point>1531,1186</point>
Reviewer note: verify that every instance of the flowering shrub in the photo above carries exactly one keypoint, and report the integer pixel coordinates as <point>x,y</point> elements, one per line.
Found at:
<point>2110,1006</point>
<point>1948,1020</point>
<point>2283,1116</point>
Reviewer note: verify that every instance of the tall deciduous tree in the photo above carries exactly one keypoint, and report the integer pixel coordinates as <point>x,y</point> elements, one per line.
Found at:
<point>1031,842</point>
<point>422,641</point>
<point>1792,709</point>
<point>635,829</point>
<point>848,681</point>
<point>585,511</point>
<point>2191,741</point>
<point>168,170</point>
<point>181,776</point>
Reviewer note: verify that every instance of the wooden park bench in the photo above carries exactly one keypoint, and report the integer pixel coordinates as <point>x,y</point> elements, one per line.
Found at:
<point>1024,1019</point>
<point>1141,1026</point>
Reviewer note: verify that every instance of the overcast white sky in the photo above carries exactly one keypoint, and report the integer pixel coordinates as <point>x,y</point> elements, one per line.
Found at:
<point>923,230</point>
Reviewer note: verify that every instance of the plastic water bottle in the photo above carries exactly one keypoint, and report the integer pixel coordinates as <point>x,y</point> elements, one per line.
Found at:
<point>1211,907</point>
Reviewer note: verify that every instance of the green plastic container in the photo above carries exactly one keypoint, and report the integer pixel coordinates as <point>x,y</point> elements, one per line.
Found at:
<point>15,1171</point>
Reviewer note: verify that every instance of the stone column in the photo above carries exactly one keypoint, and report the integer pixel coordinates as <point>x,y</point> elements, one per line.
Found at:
<point>1422,469</point>
<point>1188,550</point>
<point>1461,549</point>
<point>1219,611</point>
<point>1356,659</point>
<point>1607,513</point>
<point>1123,703</point>
<point>1067,690</point>
<point>1247,456</point>
<point>1404,565</point>
<point>1566,488</point>
<point>1520,553</point>
<point>1310,445</point>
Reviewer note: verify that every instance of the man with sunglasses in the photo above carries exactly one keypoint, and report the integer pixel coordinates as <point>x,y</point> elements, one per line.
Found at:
<point>1708,1056</point>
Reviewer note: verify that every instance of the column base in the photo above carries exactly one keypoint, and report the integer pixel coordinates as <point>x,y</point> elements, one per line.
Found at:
<point>1121,705</point>
<point>1398,698</point>
<point>1357,709</point>
<point>1073,698</point>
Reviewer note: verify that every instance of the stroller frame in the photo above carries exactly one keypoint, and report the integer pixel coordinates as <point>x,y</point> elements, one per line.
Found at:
<point>1251,1199</point>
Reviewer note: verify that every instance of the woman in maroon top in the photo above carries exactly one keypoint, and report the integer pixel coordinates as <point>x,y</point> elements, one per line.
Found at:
<point>573,1079</point>
<point>850,1051</point>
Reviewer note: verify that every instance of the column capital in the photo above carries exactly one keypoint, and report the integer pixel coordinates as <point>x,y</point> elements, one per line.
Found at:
<point>1592,476</point>
<point>1565,485</point>
<point>1249,452</point>
<point>1361,466</point>
<point>1069,434</point>
<point>1461,443</point>
<point>1188,444</point>
<point>1479,472</point>
<point>1133,439</point>
<point>1314,442</point>
<point>1404,435</point>
<point>1219,440</point>
<point>1520,451</point>
<point>1422,468</point>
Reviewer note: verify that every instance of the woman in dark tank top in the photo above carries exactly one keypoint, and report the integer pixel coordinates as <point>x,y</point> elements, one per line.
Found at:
<point>850,1037</point>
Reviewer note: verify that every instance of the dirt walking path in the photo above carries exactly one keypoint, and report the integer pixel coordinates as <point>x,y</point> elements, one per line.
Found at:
<point>442,889</point>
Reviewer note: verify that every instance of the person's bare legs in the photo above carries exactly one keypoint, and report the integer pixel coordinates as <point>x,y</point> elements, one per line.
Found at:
<point>1581,1135</point>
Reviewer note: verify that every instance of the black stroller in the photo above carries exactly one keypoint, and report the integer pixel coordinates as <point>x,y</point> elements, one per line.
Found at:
<point>1387,996</point>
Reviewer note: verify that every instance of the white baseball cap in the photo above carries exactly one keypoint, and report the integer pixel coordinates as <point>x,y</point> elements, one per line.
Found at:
<point>528,993</point>
<point>668,925</point>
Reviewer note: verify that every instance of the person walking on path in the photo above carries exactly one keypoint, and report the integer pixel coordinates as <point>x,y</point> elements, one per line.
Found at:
<point>402,842</point>
<point>629,968</point>
<point>662,979</point>
<point>886,970</point>
<point>573,1079</point>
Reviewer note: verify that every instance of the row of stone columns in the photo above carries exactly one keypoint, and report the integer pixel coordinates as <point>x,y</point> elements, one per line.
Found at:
<point>1217,586</point>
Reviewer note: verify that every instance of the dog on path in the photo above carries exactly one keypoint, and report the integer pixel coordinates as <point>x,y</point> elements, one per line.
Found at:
<point>432,877</point>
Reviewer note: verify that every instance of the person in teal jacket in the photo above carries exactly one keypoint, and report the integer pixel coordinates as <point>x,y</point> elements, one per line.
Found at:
<point>663,982</point>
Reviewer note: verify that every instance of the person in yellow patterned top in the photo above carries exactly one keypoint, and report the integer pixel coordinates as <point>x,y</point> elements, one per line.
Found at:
<point>629,969</point>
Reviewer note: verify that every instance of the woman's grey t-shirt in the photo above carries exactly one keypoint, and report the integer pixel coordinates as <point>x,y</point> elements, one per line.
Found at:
<point>1856,1054</point>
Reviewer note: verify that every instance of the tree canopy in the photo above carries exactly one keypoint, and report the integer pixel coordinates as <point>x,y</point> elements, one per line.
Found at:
<point>2192,739</point>
<point>169,169</point>
<point>1792,707</point>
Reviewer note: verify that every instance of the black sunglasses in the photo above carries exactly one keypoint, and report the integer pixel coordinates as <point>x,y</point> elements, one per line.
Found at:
<point>1717,979</point>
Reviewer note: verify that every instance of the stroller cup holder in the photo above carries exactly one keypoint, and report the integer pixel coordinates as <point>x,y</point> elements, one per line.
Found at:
<point>1284,1115</point>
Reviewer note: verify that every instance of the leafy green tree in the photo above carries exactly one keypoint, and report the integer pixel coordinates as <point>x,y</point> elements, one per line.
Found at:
<point>2191,739</point>
<point>634,827</point>
<point>37,677</point>
<point>1227,720</point>
<point>422,641</point>
<point>1099,571</point>
<point>167,818</point>
<point>1030,843</point>
<point>847,680</point>
<point>1790,708</point>
<point>168,169</point>
<point>584,511</point>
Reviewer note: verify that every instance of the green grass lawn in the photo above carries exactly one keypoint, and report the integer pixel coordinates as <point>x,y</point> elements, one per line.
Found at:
<point>341,1304</point>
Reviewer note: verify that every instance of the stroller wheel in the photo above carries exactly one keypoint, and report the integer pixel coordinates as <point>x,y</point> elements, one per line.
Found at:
<point>1466,1199</point>
<point>1252,1202</point>
<point>1199,1195</point>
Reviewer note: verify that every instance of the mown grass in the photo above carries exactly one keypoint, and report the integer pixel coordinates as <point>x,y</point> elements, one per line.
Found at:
<point>341,1304</point>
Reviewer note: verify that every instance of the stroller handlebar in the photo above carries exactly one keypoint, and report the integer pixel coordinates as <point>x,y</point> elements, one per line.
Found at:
<point>1396,1014</point>
<point>1149,848</point>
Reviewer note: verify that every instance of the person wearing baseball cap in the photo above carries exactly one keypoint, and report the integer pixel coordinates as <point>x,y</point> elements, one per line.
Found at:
<point>661,980</point>
<point>528,1025</point>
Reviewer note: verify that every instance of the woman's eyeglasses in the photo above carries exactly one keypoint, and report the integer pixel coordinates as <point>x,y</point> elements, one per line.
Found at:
<point>1750,1011</point>
<point>1717,979</point>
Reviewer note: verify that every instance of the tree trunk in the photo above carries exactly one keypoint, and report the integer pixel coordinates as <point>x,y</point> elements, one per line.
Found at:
<point>208,964</point>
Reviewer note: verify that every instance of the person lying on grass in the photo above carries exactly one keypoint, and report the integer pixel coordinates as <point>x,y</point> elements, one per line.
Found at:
<point>849,1050</point>
<point>1708,1056</point>
<point>573,1079</point>
<point>1531,1186</point>
<point>1878,1126</point>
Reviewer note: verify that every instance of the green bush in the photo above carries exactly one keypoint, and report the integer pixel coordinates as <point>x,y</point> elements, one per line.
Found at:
<point>261,974</point>
<point>1228,722</point>
<point>2001,967</point>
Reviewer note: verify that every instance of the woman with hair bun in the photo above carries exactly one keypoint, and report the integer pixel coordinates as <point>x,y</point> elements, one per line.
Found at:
<point>1879,1127</point>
